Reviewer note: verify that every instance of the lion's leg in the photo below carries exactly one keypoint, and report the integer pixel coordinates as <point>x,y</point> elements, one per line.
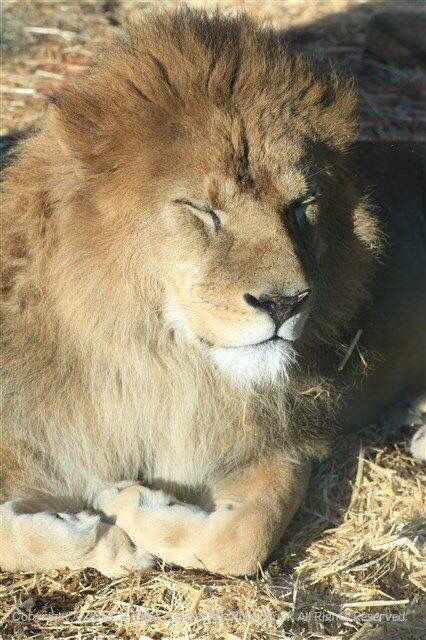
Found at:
<point>252,509</point>
<point>44,541</point>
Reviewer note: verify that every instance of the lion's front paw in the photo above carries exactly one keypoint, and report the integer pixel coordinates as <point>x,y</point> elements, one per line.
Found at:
<point>47,540</point>
<point>149,517</point>
<point>109,493</point>
<point>126,496</point>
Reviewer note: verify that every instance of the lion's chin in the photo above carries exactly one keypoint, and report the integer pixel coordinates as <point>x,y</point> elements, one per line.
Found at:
<point>264,363</point>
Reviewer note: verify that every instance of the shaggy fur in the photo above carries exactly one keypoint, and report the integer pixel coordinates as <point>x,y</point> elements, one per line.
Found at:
<point>119,293</point>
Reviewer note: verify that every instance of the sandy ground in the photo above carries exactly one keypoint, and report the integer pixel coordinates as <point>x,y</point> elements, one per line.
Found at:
<point>350,565</point>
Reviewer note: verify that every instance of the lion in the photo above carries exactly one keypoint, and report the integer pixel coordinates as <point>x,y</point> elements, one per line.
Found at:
<point>189,260</point>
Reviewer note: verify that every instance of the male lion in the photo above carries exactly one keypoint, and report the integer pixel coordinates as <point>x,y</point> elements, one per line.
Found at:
<point>187,257</point>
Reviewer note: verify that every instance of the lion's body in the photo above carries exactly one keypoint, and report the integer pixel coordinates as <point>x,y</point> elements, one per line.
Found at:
<point>395,176</point>
<point>121,314</point>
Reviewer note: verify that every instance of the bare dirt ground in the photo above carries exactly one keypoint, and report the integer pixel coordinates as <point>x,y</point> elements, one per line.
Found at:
<point>350,565</point>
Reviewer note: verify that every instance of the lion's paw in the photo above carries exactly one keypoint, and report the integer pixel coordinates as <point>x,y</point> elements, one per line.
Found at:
<point>110,493</point>
<point>148,515</point>
<point>126,496</point>
<point>71,535</point>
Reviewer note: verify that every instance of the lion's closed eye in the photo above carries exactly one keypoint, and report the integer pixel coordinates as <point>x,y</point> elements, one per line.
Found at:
<point>203,212</point>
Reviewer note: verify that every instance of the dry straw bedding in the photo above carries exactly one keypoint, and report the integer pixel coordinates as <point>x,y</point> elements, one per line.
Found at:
<point>350,565</point>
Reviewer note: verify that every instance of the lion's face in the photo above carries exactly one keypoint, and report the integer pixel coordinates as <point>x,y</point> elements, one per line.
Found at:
<point>241,248</point>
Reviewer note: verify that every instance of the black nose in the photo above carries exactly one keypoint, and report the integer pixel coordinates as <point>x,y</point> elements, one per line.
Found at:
<point>278,306</point>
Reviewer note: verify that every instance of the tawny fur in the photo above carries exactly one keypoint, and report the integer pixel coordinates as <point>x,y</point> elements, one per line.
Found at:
<point>114,294</point>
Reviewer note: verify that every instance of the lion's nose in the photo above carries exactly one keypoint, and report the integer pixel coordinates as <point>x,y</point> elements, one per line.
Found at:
<point>278,306</point>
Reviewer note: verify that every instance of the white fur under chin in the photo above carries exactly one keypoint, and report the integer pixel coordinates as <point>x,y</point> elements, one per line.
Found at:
<point>255,364</point>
